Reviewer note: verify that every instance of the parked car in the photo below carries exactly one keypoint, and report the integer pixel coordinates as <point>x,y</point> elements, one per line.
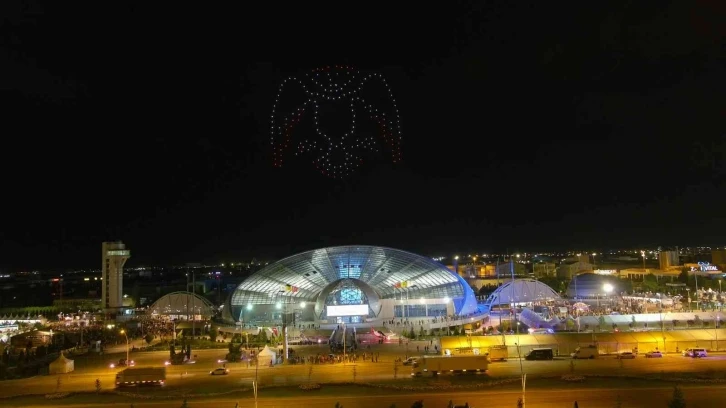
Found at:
<point>626,355</point>
<point>219,371</point>
<point>653,354</point>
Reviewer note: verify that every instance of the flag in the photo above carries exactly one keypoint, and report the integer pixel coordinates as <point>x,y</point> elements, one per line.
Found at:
<point>397,285</point>
<point>290,288</point>
<point>404,284</point>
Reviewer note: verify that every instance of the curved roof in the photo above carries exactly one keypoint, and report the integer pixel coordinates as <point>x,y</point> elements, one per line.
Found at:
<point>522,290</point>
<point>308,273</point>
<point>181,303</point>
<point>591,285</point>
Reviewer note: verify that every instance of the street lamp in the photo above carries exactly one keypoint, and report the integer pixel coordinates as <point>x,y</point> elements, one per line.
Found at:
<point>127,345</point>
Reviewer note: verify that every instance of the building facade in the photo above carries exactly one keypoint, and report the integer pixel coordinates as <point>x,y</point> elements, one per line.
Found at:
<point>113,257</point>
<point>352,285</point>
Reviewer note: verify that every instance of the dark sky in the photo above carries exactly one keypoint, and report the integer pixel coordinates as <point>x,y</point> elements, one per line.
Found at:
<point>525,127</point>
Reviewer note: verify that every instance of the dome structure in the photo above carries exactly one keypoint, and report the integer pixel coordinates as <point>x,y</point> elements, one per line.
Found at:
<point>351,284</point>
<point>591,285</point>
<point>522,291</point>
<point>182,305</point>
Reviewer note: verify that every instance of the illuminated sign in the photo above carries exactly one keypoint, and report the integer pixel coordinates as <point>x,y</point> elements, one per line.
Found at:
<point>118,253</point>
<point>705,266</point>
<point>606,272</point>
<point>348,310</point>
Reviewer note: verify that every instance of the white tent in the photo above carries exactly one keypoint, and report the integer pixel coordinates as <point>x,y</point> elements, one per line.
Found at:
<point>265,356</point>
<point>61,365</point>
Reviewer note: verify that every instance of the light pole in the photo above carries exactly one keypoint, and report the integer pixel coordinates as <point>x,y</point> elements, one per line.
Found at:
<point>127,345</point>
<point>643,254</point>
<point>593,260</point>
<point>608,289</point>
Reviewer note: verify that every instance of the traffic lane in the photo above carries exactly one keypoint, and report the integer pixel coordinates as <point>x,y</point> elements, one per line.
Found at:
<point>541,398</point>
<point>193,374</point>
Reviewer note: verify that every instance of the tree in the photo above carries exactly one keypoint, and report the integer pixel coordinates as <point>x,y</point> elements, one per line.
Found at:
<point>417,404</point>
<point>677,401</point>
<point>262,337</point>
<point>98,385</point>
<point>338,405</point>
<point>149,338</point>
<point>683,276</point>
<point>310,373</point>
<point>421,333</point>
<point>520,403</point>
<point>213,333</point>
<point>411,333</point>
<point>355,373</point>
<point>601,322</point>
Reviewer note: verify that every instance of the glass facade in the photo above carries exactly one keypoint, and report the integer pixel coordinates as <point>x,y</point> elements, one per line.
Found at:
<point>419,310</point>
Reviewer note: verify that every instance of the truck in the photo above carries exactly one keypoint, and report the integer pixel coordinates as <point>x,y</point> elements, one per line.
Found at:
<point>435,365</point>
<point>141,376</point>
<point>498,353</point>
<point>590,351</point>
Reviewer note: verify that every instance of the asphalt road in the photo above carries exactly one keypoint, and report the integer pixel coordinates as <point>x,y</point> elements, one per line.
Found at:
<point>196,376</point>
<point>552,398</point>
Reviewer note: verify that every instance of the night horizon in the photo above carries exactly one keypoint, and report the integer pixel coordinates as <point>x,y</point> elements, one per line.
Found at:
<point>523,128</point>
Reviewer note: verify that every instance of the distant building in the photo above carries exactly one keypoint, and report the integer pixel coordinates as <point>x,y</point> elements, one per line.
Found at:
<point>718,258</point>
<point>668,259</point>
<point>541,269</point>
<point>113,257</point>
<point>570,270</point>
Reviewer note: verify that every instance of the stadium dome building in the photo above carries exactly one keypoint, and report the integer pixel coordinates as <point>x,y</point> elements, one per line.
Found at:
<point>350,284</point>
<point>522,292</point>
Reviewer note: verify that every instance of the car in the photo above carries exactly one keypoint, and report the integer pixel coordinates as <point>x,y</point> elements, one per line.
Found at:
<point>219,371</point>
<point>653,354</point>
<point>694,352</point>
<point>410,361</point>
<point>123,363</point>
<point>626,355</point>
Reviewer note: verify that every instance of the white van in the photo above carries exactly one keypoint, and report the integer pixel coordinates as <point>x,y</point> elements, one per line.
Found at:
<point>586,352</point>
<point>694,352</point>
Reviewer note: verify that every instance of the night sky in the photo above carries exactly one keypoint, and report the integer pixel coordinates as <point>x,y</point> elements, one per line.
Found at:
<point>525,127</point>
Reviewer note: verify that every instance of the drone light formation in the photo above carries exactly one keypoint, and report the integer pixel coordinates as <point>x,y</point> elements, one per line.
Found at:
<point>336,153</point>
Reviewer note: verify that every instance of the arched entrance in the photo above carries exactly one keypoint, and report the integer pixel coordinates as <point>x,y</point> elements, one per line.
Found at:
<point>347,301</point>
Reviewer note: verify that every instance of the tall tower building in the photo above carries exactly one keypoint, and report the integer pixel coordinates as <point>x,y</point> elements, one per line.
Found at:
<point>113,257</point>
<point>668,259</point>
